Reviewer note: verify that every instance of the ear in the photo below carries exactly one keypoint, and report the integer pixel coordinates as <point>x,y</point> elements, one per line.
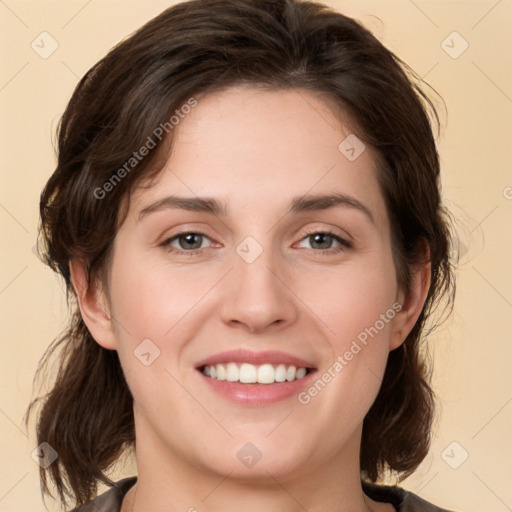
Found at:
<point>93,305</point>
<point>412,302</point>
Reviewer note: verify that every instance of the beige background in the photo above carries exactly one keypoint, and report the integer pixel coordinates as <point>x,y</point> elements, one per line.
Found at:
<point>472,350</point>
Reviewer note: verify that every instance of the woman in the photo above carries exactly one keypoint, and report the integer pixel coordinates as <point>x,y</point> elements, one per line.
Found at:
<point>246,213</point>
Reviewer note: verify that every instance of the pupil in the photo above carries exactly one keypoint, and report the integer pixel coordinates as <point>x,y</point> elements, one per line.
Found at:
<point>321,241</point>
<point>190,241</point>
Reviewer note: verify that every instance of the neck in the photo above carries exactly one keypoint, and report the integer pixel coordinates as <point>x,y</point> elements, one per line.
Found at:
<point>169,483</point>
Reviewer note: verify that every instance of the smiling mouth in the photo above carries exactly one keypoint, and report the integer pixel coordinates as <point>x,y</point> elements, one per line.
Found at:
<point>247,373</point>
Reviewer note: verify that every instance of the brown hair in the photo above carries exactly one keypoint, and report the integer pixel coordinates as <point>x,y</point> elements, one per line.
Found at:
<point>193,48</point>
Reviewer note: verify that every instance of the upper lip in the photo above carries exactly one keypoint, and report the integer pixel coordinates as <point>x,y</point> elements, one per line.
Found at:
<point>256,358</point>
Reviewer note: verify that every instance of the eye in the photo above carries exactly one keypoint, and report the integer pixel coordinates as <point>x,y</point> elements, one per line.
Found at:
<point>187,242</point>
<point>324,241</point>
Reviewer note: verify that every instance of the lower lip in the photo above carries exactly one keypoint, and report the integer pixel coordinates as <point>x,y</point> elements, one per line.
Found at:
<point>257,394</point>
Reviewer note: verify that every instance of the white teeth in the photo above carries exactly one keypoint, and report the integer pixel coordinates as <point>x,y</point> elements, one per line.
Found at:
<point>266,374</point>
<point>232,372</point>
<point>221,372</point>
<point>290,373</point>
<point>280,374</point>
<point>301,372</point>
<point>247,373</point>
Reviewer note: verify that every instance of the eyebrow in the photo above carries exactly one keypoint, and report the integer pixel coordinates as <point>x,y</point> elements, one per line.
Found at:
<point>192,204</point>
<point>298,204</point>
<point>324,202</point>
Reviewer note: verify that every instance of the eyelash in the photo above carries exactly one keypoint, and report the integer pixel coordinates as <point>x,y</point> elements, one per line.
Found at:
<point>343,243</point>
<point>167,243</point>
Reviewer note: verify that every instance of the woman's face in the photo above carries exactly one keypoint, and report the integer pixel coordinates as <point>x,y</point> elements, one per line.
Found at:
<point>264,245</point>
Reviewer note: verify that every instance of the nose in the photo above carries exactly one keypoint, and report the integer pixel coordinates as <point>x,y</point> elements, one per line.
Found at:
<point>258,297</point>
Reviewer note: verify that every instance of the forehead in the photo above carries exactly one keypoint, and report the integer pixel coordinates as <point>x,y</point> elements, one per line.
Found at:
<point>251,145</point>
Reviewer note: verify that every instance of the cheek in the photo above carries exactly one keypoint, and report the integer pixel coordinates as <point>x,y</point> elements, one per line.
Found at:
<point>158,310</point>
<point>357,306</point>
<point>152,299</point>
<point>353,298</point>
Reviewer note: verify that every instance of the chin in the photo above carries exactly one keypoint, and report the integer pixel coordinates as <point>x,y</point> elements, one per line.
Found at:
<point>256,458</point>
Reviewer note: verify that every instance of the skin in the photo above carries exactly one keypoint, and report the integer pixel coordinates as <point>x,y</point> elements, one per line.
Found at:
<point>253,151</point>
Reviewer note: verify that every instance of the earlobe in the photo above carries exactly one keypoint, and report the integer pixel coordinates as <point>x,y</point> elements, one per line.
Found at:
<point>412,302</point>
<point>93,305</point>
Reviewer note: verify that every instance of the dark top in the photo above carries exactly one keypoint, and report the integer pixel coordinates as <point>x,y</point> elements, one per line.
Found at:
<point>402,500</point>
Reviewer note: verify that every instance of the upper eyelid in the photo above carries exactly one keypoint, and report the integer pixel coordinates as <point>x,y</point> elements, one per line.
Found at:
<point>345,235</point>
<point>322,225</point>
<point>187,231</point>
<point>341,239</point>
<point>169,239</point>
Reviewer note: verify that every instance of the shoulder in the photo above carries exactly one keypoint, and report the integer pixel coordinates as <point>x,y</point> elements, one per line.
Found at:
<point>111,500</point>
<point>402,500</point>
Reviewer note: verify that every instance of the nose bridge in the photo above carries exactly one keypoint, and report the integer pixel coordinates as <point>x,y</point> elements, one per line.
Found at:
<point>258,297</point>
